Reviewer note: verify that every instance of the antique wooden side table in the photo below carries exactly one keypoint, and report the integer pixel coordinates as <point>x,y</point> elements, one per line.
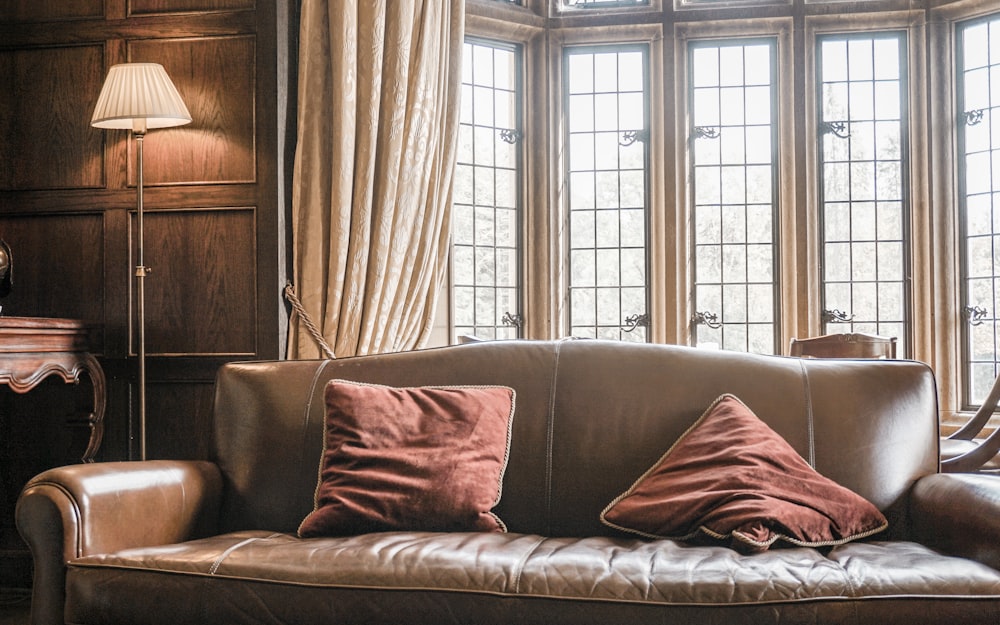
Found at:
<point>34,348</point>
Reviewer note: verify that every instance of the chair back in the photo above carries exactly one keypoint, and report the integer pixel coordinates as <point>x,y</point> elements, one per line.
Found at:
<point>852,345</point>
<point>974,446</point>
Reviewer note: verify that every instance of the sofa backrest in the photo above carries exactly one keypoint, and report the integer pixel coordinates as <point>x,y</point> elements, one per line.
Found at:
<point>590,418</point>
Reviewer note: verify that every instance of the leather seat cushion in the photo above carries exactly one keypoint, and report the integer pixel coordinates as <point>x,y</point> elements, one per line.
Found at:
<point>449,569</point>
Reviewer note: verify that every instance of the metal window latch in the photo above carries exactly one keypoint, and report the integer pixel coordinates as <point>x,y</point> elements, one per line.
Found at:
<point>510,135</point>
<point>709,319</point>
<point>975,315</point>
<point>631,136</point>
<point>515,320</point>
<point>634,321</point>
<point>836,316</point>
<point>839,128</point>
<point>707,132</point>
<point>972,118</point>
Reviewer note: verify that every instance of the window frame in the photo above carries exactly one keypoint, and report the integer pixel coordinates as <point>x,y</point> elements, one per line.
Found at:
<point>962,249</point>
<point>518,51</point>
<point>566,262</point>
<point>919,342</point>
<point>786,246</point>
<point>691,215</point>
<point>555,264</point>
<point>905,183</point>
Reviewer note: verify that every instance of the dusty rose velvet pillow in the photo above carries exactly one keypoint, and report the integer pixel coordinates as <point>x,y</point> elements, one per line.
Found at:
<point>732,478</point>
<point>427,458</point>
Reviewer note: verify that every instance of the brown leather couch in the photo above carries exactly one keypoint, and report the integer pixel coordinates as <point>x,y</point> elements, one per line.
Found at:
<point>215,542</point>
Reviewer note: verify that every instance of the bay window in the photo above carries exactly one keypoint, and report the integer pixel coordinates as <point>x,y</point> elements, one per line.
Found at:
<point>732,174</point>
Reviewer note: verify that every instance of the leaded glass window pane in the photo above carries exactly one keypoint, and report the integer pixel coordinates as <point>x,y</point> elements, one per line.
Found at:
<point>979,178</point>
<point>486,215</point>
<point>733,138</point>
<point>606,171</point>
<point>864,203</point>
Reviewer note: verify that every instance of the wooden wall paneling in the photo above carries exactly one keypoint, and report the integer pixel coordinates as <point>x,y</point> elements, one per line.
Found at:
<point>115,9</point>
<point>215,77</point>
<point>119,272</point>
<point>216,194</point>
<point>49,10</point>
<point>120,422</point>
<point>116,142</point>
<point>145,7</point>
<point>58,266</point>
<point>179,418</point>
<point>201,292</point>
<point>114,28</point>
<point>48,142</point>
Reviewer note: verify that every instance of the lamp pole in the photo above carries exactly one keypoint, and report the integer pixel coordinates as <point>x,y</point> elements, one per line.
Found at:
<point>140,286</point>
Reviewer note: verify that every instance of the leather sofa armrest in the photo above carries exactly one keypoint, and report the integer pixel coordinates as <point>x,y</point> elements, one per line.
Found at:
<point>78,510</point>
<point>958,514</point>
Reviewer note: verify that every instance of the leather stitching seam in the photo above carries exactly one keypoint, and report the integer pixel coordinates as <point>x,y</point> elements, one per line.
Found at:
<point>550,435</point>
<point>810,425</point>
<point>305,430</point>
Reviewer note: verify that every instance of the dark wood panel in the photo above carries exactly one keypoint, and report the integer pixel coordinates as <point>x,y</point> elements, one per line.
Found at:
<point>139,7</point>
<point>186,368</point>
<point>154,26</point>
<point>58,268</point>
<point>48,140</point>
<point>179,419</point>
<point>215,77</point>
<point>201,292</point>
<point>93,200</point>
<point>121,420</point>
<point>48,10</point>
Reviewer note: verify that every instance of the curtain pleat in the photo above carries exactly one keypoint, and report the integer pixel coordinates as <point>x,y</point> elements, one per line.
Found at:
<point>378,97</point>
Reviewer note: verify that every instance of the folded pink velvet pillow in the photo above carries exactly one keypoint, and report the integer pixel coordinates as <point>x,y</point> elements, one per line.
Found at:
<point>420,459</point>
<point>732,478</point>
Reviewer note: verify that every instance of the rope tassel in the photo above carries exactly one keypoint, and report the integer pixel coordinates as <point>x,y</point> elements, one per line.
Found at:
<point>300,312</point>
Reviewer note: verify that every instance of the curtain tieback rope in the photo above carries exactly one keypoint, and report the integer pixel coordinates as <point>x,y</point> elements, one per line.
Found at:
<point>300,311</point>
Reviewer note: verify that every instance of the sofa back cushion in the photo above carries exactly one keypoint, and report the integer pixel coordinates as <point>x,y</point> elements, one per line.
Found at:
<point>591,417</point>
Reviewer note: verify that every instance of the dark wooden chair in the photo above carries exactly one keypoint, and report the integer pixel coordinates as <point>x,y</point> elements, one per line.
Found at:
<point>967,450</point>
<point>853,345</point>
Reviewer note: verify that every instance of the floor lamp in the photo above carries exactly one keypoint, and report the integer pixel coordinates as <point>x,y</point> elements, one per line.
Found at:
<point>139,97</point>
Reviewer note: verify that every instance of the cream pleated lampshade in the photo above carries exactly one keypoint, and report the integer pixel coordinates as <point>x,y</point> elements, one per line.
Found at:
<point>138,96</point>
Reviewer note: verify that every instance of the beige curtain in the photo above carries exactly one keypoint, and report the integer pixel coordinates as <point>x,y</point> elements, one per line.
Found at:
<point>378,99</point>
